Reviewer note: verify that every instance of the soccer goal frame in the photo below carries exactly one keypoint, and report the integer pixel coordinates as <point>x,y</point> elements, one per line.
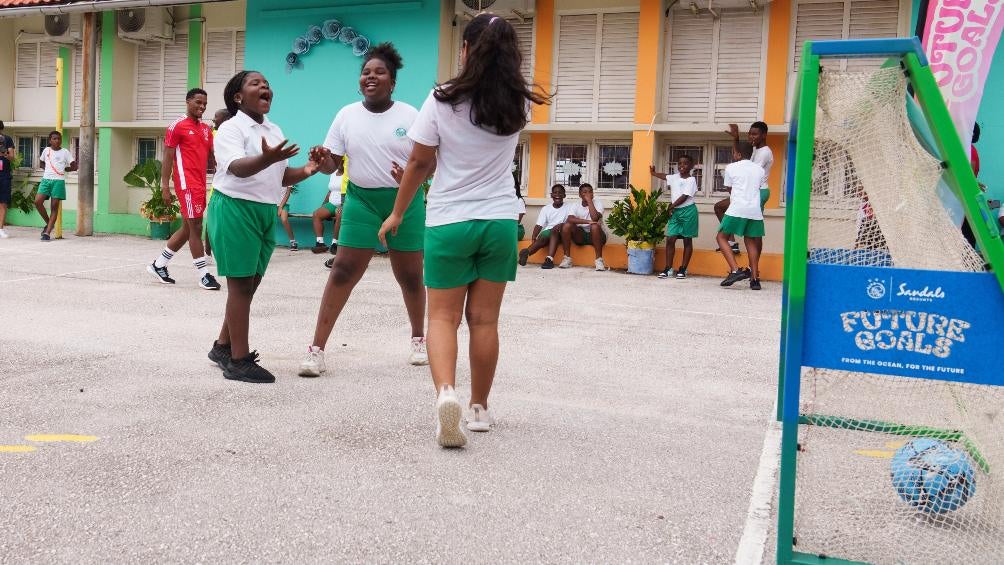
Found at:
<point>959,177</point>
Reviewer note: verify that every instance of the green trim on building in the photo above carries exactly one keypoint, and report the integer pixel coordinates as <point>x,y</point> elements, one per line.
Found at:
<point>64,54</point>
<point>109,36</point>
<point>104,177</point>
<point>195,46</point>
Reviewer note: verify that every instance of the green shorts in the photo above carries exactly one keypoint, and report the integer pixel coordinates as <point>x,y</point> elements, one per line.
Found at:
<point>587,234</point>
<point>458,254</point>
<point>365,209</point>
<point>331,208</point>
<point>742,227</point>
<point>764,197</point>
<point>544,234</point>
<point>683,222</point>
<point>54,188</point>
<point>520,232</point>
<point>242,234</point>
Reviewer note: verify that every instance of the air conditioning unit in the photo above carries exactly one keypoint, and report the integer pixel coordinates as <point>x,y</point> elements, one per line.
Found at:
<point>62,28</point>
<point>506,8</point>
<point>145,24</point>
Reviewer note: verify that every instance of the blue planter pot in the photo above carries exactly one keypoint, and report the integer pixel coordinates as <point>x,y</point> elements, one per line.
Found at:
<point>641,259</point>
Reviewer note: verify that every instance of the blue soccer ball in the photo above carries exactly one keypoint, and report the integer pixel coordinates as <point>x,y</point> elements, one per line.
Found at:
<point>932,476</point>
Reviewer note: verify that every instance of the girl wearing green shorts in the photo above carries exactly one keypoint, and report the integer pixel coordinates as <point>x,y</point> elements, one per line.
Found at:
<point>374,132</point>
<point>468,129</point>
<point>252,169</point>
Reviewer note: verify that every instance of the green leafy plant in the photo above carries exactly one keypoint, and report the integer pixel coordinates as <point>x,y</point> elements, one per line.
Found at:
<point>147,175</point>
<point>642,217</point>
<point>24,190</point>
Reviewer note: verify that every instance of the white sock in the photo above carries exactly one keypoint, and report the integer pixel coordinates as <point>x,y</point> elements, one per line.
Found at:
<point>334,241</point>
<point>320,240</point>
<point>549,257</point>
<point>164,258</point>
<point>200,264</point>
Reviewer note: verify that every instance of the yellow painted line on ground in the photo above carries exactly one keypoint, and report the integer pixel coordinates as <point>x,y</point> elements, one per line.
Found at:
<point>876,453</point>
<point>60,437</point>
<point>16,448</point>
<point>895,444</point>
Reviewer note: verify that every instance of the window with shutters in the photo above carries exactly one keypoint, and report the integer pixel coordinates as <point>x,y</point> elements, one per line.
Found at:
<point>844,19</point>
<point>161,79</point>
<point>715,67</point>
<point>147,148</point>
<point>78,79</point>
<point>36,64</point>
<point>26,150</point>
<point>595,71</point>
<point>605,164</point>
<point>708,156</point>
<point>517,166</point>
<point>224,55</point>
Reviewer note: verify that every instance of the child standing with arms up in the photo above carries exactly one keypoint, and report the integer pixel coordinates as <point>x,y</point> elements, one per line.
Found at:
<point>252,169</point>
<point>744,217</point>
<point>56,161</point>
<point>468,129</point>
<point>683,222</point>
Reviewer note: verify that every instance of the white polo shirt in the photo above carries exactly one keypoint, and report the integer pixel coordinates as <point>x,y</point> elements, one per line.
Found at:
<point>764,157</point>
<point>241,137</point>
<point>581,211</point>
<point>679,186</point>
<point>550,216</point>
<point>375,140</point>
<point>744,178</point>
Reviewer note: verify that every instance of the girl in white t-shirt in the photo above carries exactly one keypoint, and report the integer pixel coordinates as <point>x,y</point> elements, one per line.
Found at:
<point>468,128</point>
<point>374,132</point>
<point>252,168</point>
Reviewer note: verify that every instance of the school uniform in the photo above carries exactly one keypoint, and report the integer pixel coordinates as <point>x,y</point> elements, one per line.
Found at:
<point>520,210</point>
<point>744,217</point>
<point>550,217</point>
<point>375,141</point>
<point>54,176</point>
<point>243,211</point>
<point>764,157</point>
<point>683,221</point>
<point>472,206</point>
<point>581,211</point>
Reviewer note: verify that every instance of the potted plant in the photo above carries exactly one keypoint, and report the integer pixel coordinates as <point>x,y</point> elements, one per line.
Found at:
<point>160,213</point>
<point>24,190</point>
<point>641,220</point>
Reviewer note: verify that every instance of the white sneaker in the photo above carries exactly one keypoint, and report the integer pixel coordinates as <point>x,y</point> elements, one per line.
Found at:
<point>565,263</point>
<point>448,415</point>
<point>479,419</point>
<point>601,265</point>
<point>3,234</point>
<point>419,355</point>
<point>313,365</point>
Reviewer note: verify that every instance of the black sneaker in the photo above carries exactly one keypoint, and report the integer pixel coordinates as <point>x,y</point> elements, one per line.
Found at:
<point>220,354</point>
<point>329,263</point>
<point>735,247</point>
<point>160,273</point>
<point>333,249</point>
<point>208,282</point>
<point>736,276</point>
<point>681,273</point>
<point>666,273</point>
<point>754,284</point>
<point>247,370</point>
<point>293,246</point>
<point>45,237</point>
<point>318,248</point>
<point>524,255</point>
<point>548,263</point>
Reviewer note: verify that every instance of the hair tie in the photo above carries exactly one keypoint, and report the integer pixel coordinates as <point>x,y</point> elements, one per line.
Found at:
<point>491,21</point>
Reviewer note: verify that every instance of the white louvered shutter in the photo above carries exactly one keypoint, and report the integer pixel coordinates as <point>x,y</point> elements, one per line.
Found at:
<point>48,54</point>
<point>737,80</point>
<point>576,70</point>
<point>868,20</point>
<point>618,67</point>
<point>688,88</point>
<point>149,76</point>
<point>817,21</point>
<point>238,52</point>
<point>175,77</point>
<point>524,34</point>
<point>78,80</point>
<point>27,65</point>
<point>219,56</point>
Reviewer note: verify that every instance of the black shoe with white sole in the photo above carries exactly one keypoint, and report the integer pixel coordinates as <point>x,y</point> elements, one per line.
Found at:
<point>209,282</point>
<point>681,273</point>
<point>736,276</point>
<point>665,274</point>
<point>329,263</point>
<point>754,284</point>
<point>160,273</point>
<point>247,370</point>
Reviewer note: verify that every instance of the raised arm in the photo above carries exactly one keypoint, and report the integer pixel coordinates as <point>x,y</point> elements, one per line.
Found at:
<point>655,173</point>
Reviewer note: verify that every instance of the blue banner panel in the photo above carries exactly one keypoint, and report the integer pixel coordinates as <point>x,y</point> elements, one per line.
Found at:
<point>927,324</point>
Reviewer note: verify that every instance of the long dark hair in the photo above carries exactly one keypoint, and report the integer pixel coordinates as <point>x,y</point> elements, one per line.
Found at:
<point>491,79</point>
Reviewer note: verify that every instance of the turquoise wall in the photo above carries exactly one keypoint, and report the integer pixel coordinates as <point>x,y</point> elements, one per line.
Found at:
<point>307,99</point>
<point>991,120</point>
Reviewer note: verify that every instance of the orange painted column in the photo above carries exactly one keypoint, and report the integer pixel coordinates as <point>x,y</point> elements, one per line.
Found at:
<point>646,93</point>
<point>543,22</point>
<point>778,53</point>
<point>779,146</point>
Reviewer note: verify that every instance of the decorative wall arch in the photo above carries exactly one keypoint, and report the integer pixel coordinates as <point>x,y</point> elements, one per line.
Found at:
<point>331,30</point>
